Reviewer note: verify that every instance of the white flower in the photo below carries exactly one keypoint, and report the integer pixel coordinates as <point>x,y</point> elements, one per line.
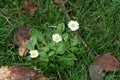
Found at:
<point>34,53</point>
<point>73,25</point>
<point>57,38</point>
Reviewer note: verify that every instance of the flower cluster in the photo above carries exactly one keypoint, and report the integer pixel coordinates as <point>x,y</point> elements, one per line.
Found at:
<point>73,25</point>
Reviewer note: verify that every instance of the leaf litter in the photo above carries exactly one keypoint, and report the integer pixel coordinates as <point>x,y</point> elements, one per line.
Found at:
<point>20,73</point>
<point>21,38</point>
<point>103,64</point>
<point>29,7</point>
<point>107,62</point>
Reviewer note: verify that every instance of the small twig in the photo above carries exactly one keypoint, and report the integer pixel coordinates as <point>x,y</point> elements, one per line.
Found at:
<point>68,18</point>
<point>80,38</point>
<point>66,13</point>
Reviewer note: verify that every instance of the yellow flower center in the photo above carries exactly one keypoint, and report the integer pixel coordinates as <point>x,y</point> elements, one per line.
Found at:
<point>73,25</point>
<point>33,54</point>
<point>56,38</point>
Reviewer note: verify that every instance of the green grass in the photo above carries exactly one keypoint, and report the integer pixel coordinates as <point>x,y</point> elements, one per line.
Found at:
<point>100,28</point>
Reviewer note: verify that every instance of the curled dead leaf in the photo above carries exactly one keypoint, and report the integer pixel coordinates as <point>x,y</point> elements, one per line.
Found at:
<point>107,62</point>
<point>95,73</point>
<point>102,64</point>
<point>20,73</point>
<point>22,50</point>
<point>21,38</point>
<point>30,7</point>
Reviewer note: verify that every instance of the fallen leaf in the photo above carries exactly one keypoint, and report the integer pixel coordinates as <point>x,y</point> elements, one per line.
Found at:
<point>21,38</point>
<point>30,7</point>
<point>107,62</point>
<point>20,73</point>
<point>95,73</point>
<point>22,50</point>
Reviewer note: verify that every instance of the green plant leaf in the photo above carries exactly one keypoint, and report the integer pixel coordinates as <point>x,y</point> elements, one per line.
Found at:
<point>32,43</point>
<point>44,49</point>
<point>73,49</point>
<point>75,41</point>
<point>33,40</point>
<point>51,45</point>
<point>41,37</point>
<point>33,32</point>
<point>44,56</point>
<point>72,56</point>
<point>29,46</point>
<point>67,59</point>
<point>28,58</point>
<point>60,28</point>
<point>51,53</point>
<point>61,48</point>
<point>66,36</point>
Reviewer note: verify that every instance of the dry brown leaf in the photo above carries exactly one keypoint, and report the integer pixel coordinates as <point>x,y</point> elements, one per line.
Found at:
<point>107,62</point>
<point>95,73</point>
<point>21,35</point>
<point>22,50</point>
<point>30,7</point>
<point>20,73</point>
<point>21,38</point>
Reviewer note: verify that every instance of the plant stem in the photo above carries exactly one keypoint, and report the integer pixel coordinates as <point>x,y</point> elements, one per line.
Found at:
<point>80,38</point>
<point>68,18</point>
